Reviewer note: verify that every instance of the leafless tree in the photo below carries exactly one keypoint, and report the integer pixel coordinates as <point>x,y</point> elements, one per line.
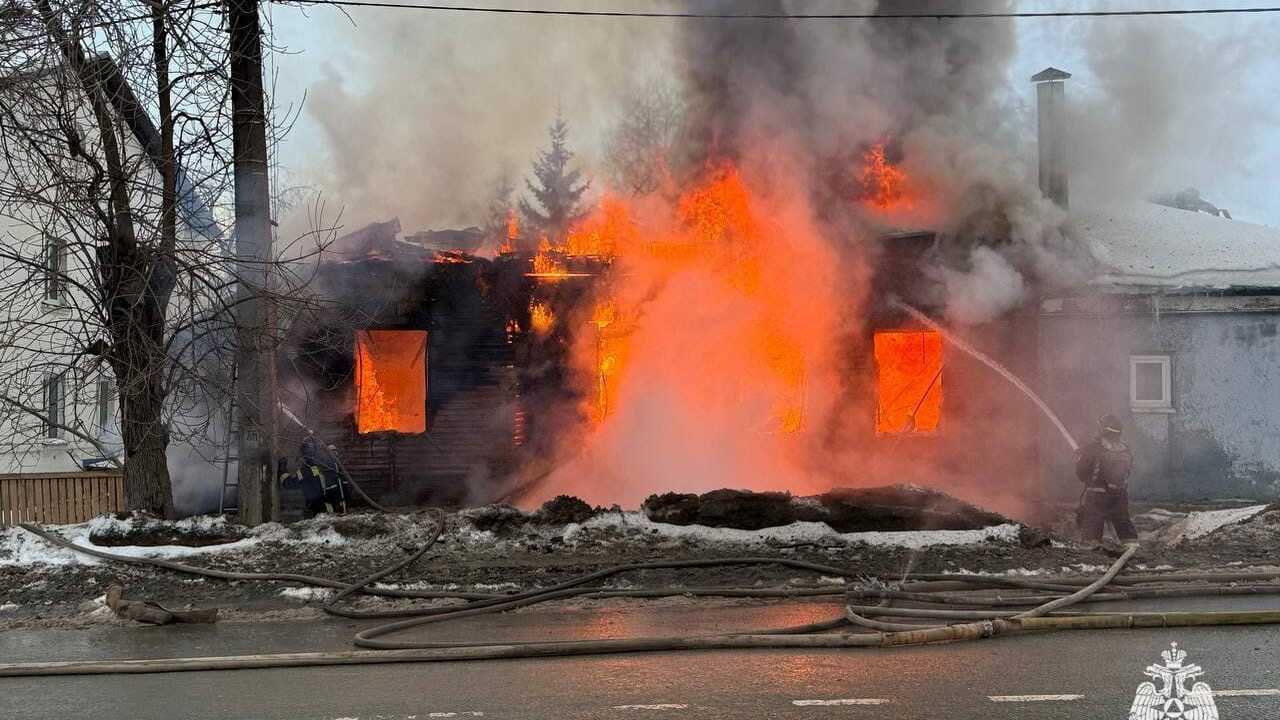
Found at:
<point>499,213</point>
<point>115,277</point>
<point>639,143</point>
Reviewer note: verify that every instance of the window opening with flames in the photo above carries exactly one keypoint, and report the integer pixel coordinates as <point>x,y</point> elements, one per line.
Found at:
<point>391,381</point>
<point>908,382</point>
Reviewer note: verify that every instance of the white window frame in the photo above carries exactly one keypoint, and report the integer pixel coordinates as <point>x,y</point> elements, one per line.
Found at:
<point>55,269</point>
<point>55,405</point>
<point>1165,403</point>
<point>105,405</point>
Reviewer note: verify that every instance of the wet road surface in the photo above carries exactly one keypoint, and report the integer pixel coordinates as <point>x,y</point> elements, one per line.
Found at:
<point>1060,676</point>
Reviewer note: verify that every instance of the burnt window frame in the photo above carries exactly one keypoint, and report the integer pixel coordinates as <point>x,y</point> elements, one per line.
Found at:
<point>937,380</point>
<point>426,379</point>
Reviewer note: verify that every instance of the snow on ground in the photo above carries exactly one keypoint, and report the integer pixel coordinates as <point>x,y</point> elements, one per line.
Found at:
<point>495,587</point>
<point>798,532</point>
<point>1201,523</point>
<point>106,524</point>
<point>21,548</point>
<point>307,594</point>
<point>1075,569</point>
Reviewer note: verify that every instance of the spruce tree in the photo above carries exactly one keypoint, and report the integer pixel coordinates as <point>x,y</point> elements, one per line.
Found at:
<point>557,191</point>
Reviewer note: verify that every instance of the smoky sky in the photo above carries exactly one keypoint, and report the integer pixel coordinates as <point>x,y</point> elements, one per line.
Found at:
<point>1167,107</point>
<point>413,114</point>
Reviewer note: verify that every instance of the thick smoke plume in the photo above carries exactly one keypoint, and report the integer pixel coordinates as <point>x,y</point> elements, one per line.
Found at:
<point>821,93</point>
<point>794,109</point>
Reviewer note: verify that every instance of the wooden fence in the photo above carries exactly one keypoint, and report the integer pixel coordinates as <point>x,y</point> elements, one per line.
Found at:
<point>59,497</point>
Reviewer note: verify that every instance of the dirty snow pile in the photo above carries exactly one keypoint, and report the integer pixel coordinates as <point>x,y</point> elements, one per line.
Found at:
<point>638,524</point>
<point>307,594</point>
<point>21,548</point>
<point>485,531</point>
<point>1201,523</point>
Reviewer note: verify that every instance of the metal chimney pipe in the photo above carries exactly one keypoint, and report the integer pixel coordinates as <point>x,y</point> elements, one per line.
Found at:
<point>1051,105</point>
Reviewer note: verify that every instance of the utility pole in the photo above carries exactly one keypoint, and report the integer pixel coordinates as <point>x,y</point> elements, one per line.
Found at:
<point>255,313</point>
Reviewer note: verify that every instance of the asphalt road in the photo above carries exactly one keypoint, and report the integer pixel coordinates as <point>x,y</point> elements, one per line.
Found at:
<point>1066,675</point>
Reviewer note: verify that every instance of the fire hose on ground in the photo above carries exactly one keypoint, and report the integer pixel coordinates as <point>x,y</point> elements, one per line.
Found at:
<point>951,612</point>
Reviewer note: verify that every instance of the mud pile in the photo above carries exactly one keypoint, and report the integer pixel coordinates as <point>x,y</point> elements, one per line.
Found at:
<point>888,508</point>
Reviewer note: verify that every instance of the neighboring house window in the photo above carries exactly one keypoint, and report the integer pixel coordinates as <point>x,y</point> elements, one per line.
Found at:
<point>55,267</point>
<point>54,405</point>
<point>1150,383</point>
<point>106,403</point>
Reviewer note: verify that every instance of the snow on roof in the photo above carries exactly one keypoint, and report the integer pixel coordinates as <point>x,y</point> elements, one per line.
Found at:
<point>1148,245</point>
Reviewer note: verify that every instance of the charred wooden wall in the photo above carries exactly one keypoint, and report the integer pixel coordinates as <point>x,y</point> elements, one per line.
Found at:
<point>470,374</point>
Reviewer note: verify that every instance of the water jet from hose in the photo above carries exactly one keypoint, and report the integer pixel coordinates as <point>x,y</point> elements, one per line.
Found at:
<point>1006,373</point>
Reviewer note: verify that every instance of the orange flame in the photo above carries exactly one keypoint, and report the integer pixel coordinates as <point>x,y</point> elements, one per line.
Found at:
<point>452,257</point>
<point>611,345</point>
<point>541,319</point>
<point>508,245</point>
<point>908,382</point>
<point>882,184</point>
<point>391,381</point>
<point>545,264</point>
<point>740,317</point>
<point>602,315</point>
<point>600,233</point>
<point>610,348</point>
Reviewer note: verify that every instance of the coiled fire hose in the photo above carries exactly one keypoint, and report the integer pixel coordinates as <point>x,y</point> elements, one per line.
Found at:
<point>965,616</point>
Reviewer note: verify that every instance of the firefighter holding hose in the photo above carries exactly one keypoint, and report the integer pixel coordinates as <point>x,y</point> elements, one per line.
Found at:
<point>319,479</point>
<point>1104,466</point>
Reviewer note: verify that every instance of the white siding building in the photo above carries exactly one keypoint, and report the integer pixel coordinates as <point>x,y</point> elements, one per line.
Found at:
<point>59,409</point>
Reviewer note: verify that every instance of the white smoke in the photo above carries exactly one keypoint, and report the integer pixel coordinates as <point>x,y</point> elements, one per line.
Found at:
<point>991,287</point>
<point>1168,105</point>
<point>425,108</point>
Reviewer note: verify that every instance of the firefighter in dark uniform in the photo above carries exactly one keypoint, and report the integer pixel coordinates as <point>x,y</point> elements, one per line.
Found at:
<point>319,480</point>
<point>1104,466</point>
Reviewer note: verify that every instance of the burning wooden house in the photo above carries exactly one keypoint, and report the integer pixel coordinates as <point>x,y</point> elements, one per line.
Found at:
<point>406,368</point>
<point>719,339</point>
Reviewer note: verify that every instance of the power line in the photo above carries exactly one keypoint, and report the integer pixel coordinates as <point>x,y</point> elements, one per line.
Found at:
<point>779,16</point>
<point>708,16</point>
<point>389,4</point>
<point>104,24</point>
